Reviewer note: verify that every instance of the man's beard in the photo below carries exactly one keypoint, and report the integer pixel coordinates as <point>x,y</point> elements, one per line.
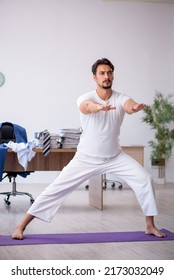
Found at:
<point>107,86</point>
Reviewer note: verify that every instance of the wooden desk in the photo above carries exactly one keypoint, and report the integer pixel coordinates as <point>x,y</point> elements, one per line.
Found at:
<point>58,158</point>
<point>55,161</point>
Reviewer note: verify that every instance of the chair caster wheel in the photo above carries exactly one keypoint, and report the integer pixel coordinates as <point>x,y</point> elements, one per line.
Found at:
<point>120,187</point>
<point>31,201</point>
<point>7,202</point>
<point>87,187</point>
<point>113,185</point>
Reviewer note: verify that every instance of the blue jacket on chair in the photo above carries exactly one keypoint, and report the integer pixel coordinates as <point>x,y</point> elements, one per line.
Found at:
<point>20,136</point>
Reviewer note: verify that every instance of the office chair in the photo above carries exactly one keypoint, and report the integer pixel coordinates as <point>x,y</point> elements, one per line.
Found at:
<point>7,134</point>
<point>105,181</point>
<point>111,181</point>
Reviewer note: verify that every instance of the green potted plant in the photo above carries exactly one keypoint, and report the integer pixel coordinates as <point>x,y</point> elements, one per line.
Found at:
<point>159,116</point>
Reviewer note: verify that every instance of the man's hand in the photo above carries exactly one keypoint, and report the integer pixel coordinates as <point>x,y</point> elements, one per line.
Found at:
<point>105,107</point>
<point>131,106</point>
<point>138,107</point>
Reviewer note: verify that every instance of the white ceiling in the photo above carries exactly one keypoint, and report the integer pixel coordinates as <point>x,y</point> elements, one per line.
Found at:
<point>158,1</point>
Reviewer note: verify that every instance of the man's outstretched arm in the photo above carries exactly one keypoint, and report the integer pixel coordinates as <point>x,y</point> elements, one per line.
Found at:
<point>130,106</point>
<point>88,107</point>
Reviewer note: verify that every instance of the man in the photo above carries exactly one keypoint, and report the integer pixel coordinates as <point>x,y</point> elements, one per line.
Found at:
<point>101,114</point>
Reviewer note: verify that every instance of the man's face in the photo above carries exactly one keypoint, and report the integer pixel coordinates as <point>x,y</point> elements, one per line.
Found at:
<point>104,76</point>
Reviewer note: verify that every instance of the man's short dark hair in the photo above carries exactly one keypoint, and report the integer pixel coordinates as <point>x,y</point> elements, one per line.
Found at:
<point>102,61</point>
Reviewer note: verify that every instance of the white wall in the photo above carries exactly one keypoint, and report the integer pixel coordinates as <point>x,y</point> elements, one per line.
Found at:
<point>47,48</point>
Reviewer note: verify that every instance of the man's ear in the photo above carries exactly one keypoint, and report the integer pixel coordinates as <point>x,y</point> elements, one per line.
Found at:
<point>94,77</point>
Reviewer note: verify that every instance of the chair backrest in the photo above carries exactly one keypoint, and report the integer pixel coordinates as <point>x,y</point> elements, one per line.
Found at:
<point>7,133</point>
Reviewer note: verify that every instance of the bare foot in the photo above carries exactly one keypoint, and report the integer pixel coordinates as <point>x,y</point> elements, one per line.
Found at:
<point>18,233</point>
<point>155,231</point>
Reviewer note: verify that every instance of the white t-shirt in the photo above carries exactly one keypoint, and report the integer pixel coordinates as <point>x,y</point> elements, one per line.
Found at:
<point>100,136</point>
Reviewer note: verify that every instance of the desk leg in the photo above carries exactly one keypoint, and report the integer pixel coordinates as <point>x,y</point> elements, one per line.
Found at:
<point>96,192</point>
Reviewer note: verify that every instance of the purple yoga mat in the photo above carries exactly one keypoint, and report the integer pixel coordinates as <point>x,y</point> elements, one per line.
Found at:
<point>75,238</point>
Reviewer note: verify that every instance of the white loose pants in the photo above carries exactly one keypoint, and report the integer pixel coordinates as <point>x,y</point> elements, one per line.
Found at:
<point>78,171</point>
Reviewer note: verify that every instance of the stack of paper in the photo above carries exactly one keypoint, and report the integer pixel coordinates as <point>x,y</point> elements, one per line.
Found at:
<point>70,137</point>
<point>64,138</point>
